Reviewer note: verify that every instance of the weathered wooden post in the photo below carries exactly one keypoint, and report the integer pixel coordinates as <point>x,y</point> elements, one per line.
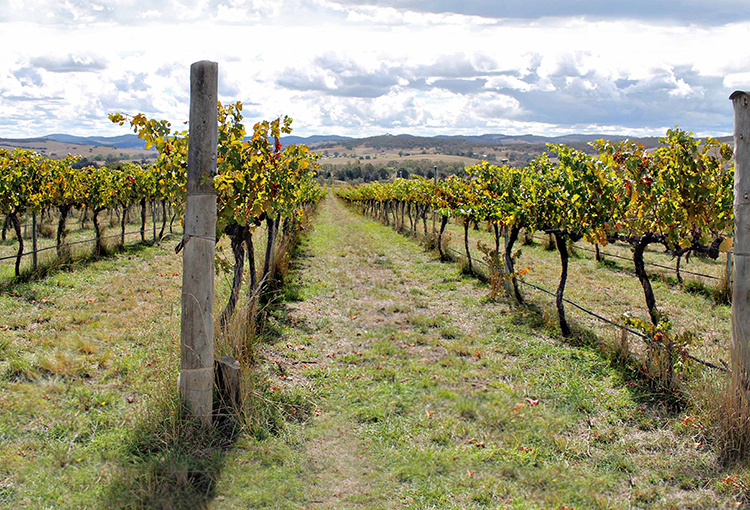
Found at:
<point>196,380</point>
<point>741,285</point>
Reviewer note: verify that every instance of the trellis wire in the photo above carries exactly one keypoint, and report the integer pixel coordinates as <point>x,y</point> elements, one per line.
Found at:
<point>69,244</point>
<point>594,314</point>
<point>607,254</point>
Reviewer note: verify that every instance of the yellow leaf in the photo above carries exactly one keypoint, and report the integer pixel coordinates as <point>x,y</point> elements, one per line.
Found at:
<point>726,245</point>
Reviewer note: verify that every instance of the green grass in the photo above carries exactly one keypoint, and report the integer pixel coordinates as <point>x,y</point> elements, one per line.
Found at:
<point>611,289</point>
<point>89,355</point>
<point>385,379</point>
<point>428,395</point>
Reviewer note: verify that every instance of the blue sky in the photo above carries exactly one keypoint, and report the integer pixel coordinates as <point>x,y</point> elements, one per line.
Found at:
<point>360,68</point>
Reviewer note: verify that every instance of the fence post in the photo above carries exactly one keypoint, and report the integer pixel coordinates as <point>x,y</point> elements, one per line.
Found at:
<point>196,380</point>
<point>741,286</point>
<point>729,276</point>
<point>33,240</point>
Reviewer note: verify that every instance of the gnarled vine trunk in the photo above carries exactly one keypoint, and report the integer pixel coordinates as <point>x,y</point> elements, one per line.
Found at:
<point>98,247</point>
<point>443,223</point>
<point>639,247</point>
<point>143,220</point>
<point>466,244</point>
<point>64,210</point>
<point>509,266</point>
<point>236,234</point>
<point>562,247</point>
<point>17,228</point>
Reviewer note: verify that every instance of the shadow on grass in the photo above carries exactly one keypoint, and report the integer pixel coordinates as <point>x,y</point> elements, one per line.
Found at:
<point>644,389</point>
<point>171,461</point>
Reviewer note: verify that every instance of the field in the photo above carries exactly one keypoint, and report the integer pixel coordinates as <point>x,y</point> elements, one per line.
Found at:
<point>409,389</point>
<point>54,149</point>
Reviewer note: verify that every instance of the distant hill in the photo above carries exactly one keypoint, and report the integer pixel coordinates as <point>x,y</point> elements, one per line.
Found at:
<point>313,140</point>
<point>120,142</point>
<point>398,142</point>
<point>133,142</point>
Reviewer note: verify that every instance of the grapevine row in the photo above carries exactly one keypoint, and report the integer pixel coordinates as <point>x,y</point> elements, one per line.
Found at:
<point>257,181</point>
<point>679,196</point>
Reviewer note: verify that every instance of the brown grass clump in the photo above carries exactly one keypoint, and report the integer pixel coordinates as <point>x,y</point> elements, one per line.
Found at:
<point>731,422</point>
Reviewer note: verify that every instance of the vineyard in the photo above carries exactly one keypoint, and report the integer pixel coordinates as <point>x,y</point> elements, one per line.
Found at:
<point>679,197</point>
<point>551,336</point>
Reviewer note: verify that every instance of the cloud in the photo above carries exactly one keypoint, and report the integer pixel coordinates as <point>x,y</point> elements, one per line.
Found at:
<point>132,82</point>
<point>461,85</point>
<point>718,12</point>
<point>339,76</point>
<point>570,91</point>
<point>70,63</point>
<point>28,76</point>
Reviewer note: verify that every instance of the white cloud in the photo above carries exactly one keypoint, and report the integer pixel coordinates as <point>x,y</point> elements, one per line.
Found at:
<point>352,69</point>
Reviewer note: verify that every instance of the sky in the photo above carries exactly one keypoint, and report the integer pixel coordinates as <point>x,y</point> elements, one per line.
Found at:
<point>363,68</point>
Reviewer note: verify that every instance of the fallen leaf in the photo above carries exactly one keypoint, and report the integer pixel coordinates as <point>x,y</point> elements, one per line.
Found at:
<point>532,402</point>
<point>688,420</point>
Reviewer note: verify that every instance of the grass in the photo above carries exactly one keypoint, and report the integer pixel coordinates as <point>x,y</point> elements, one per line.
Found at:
<point>89,353</point>
<point>610,289</point>
<point>385,379</point>
<point>428,395</point>
<point>86,351</point>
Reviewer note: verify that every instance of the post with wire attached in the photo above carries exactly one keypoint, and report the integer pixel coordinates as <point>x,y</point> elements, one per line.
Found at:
<point>741,284</point>
<point>196,380</point>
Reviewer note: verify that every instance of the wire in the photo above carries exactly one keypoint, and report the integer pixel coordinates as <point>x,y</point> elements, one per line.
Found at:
<point>68,244</point>
<point>603,319</point>
<point>607,254</point>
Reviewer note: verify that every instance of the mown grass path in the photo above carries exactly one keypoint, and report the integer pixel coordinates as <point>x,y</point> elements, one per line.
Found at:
<point>427,395</point>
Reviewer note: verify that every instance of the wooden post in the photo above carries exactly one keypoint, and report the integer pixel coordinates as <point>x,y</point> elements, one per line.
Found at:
<point>228,384</point>
<point>741,286</point>
<point>196,380</point>
<point>33,240</point>
<point>729,268</point>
